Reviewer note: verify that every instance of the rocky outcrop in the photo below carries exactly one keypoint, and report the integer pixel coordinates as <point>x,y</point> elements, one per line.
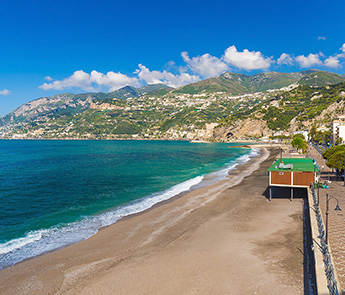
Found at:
<point>104,106</point>
<point>242,129</point>
<point>332,112</point>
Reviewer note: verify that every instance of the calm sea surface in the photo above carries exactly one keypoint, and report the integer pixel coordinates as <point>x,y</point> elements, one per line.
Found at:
<point>55,193</point>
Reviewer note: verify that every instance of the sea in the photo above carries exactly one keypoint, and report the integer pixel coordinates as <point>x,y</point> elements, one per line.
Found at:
<point>54,193</point>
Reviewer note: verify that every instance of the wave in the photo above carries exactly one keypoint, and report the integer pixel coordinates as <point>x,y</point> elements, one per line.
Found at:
<point>223,173</point>
<point>45,240</point>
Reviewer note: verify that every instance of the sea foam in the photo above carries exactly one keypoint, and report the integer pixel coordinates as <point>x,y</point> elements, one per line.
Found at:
<point>42,241</point>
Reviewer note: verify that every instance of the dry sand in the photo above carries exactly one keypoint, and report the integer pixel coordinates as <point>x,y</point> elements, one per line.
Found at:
<point>226,238</point>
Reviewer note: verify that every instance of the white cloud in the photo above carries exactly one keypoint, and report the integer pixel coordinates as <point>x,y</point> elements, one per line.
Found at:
<point>193,69</point>
<point>333,61</point>
<point>247,60</point>
<point>205,65</point>
<point>88,82</point>
<point>321,38</point>
<point>154,77</point>
<point>79,79</point>
<point>113,80</point>
<point>309,61</point>
<point>5,92</point>
<point>285,59</point>
<point>342,48</point>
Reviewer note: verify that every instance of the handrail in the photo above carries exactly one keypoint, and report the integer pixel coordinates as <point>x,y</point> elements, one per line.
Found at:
<point>323,246</point>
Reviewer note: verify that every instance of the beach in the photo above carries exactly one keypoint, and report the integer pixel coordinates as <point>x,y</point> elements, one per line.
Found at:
<point>226,238</point>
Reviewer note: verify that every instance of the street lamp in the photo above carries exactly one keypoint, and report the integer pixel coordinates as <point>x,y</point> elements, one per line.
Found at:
<point>318,185</point>
<point>337,208</point>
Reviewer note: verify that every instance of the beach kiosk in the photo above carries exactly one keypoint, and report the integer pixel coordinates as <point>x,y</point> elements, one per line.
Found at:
<point>293,173</point>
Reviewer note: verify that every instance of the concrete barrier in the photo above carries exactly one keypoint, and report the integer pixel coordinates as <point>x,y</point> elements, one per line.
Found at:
<point>319,255</point>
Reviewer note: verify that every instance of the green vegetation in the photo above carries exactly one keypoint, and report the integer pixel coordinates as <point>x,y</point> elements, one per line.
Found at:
<point>239,83</point>
<point>335,157</point>
<point>319,136</point>
<point>329,152</point>
<point>339,141</point>
<point>299,144</point>
<point>278,118</point>
<point>163,112</point>
<point>321,78</point>
<point>299,135</point>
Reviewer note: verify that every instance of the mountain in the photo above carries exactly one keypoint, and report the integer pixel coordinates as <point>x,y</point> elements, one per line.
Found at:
<point>71,104</point>
<point>240,84</point>
<point>228,82</point>
<point>321,78</point>
<point>271,80</point>
<point>57,105</point>
<point>124,93</point>
<point>130,92</point>
<point>213,108</point>
<point>153,88</point>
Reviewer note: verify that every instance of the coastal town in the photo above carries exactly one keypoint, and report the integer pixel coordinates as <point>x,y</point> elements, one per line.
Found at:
<point>298,132</point>
<point>172,147</point>
<point>194,112</point>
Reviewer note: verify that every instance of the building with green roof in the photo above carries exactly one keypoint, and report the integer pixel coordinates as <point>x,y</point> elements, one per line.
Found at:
<point>293,173</point>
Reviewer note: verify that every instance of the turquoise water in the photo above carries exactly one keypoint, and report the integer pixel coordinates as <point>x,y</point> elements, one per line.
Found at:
<point>55,193</point>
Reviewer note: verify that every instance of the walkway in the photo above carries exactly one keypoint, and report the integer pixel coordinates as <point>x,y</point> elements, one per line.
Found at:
<point>336,219</point>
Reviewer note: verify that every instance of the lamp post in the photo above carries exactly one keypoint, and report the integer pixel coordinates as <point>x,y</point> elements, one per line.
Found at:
<point>337,208</point>
<point>318,190</point>
<point>318,193</point>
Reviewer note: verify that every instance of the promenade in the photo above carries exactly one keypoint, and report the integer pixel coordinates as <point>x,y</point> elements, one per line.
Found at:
<point>336,219</point>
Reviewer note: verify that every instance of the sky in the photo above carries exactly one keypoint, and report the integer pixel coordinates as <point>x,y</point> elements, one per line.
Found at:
<point>57,46</point>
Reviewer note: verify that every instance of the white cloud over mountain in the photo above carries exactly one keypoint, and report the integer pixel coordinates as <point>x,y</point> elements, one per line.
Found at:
<point>309,61</point>
<point>113,80</point>
<point>333,62</point>
<point>194,69</point>
<point>5,92</point>
<point>246,60</point>
<point>154,77</point>
<point>93,81</point>
<point>285,59</point>
<point>79,79</point>
<point>206,65</point>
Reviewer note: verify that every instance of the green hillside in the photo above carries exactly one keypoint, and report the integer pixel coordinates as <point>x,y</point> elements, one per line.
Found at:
<point>162,112</point>
<point>236,84</point>
<point>303,103</point>
<point>321,78</point>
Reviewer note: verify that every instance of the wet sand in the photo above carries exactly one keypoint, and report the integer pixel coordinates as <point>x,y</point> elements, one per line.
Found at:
<point>226,238</point>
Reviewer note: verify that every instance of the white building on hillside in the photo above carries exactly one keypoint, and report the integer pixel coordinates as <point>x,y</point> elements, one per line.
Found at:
<point>338,129</point>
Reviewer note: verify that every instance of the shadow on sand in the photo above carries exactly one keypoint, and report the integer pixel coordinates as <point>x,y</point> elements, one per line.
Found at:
<point>285,193</point>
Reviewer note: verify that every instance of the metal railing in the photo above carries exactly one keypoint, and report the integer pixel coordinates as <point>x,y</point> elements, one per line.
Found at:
<point>323,246</point>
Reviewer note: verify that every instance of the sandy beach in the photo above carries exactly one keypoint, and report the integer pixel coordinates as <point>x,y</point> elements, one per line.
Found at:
<point>226,238</point>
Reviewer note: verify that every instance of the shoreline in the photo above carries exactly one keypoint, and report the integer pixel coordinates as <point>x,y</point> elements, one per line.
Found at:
<point>139,235</point>
<point>237,141</point>
<point>142,205</point>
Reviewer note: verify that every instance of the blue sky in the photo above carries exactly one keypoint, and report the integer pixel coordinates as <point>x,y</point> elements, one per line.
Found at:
<point>50,47</point>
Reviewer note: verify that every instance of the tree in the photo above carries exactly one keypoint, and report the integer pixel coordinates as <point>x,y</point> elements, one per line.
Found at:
<point>299,144</point>
<point>329,152</point>
<point>319,136</point>
<point>299,135</point>
<point>339,141</point>
<point>336,160</point>
<point>312,132</point>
